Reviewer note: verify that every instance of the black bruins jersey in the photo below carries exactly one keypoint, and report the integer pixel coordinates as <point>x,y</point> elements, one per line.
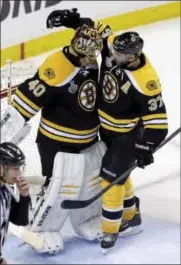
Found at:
<point>130,96</point>
<point>66,94</point>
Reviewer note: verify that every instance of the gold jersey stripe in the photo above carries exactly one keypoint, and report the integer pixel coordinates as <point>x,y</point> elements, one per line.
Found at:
<point>159,126</point>
<point>121,130</point>
<point>116,121</point>
<point>64,139</point>
<point>25,99</point>
<point>154,116</point>
<point>69,130</point>
<point>21,110</point>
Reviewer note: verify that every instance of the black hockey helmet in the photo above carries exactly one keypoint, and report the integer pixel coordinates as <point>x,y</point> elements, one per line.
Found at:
<point>11,155</point>
<point>128,43</point>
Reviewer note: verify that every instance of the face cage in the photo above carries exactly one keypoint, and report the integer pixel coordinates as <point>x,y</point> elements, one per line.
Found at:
<point>90,48</point>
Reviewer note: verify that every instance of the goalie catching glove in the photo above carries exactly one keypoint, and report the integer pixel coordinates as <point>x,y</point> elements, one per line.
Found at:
<point>66,18</point>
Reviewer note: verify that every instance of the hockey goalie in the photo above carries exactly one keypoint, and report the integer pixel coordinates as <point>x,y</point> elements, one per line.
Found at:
<point>65,90</point>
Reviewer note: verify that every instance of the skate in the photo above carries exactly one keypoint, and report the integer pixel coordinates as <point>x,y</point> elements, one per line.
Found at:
<point>133,226</point>
<point>108,241</point>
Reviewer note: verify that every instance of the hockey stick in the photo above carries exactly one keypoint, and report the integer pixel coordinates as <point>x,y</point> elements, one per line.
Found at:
<point>77,204</point>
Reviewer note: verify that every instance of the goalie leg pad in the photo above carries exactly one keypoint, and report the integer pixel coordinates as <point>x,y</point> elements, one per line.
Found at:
<point>42,242</point>
<point>87,222</point>
<point>65,183</point>
<point>52,242</point>
<point>48,217</point>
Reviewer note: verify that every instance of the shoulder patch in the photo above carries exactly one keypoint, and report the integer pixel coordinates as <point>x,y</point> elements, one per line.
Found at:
<point>56,69</point>
<point>151,85</point>
<point>49,72</point>
<point>145,80</point>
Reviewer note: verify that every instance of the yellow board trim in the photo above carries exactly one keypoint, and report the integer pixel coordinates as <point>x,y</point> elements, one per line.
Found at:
<point>119,22</point>
<point>66,140</point>
<point>25,99</point>
<point>69,130</point>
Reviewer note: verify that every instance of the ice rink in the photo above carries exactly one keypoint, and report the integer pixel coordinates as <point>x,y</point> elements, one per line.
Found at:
<point>158,186</point>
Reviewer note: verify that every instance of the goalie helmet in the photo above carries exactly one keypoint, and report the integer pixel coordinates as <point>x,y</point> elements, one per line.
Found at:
<point>128,43</point>
<point>11,155</point>
<point>87,42</point>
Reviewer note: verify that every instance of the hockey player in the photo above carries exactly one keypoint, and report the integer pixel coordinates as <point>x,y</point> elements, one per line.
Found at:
<point>12,161</point>
<point>133,120</point>
<point>65,90</point>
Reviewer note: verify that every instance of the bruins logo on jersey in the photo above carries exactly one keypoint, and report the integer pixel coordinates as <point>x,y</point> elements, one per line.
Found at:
<point>87,95</point>
<point>49,73</point>
<point>110,88</point>
<point>151,85</point>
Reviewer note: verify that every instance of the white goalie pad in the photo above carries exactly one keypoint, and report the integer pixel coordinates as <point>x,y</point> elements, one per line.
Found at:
<point>75,176</point>
<point>48,217</point>
<point>44,242</point>
<point>87,221</point>
<point>11,125</point>
<point>68,174</point>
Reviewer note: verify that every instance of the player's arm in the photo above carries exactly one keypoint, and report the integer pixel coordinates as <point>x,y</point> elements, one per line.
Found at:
<point>19,211</point>
<point>72,19</point>
<point>147,96</point>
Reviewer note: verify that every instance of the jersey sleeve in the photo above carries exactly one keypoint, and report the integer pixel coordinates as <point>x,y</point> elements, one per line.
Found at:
<point>147,93</point>
<point>19,211</point>
<point>41,90</point>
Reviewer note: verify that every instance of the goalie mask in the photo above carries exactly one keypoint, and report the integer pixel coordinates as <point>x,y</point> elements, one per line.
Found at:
<point>87,42</point>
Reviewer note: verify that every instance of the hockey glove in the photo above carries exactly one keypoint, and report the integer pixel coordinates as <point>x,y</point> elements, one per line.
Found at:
<point>144,154</point>
<point>65,17</point>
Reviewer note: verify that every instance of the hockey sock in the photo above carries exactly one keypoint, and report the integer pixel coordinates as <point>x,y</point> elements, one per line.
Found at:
<point>112,207</point>
<point>129,200</point>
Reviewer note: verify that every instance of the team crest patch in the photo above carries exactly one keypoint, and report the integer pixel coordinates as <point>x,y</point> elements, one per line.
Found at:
<point>151,85</point>
<point>49,73</point>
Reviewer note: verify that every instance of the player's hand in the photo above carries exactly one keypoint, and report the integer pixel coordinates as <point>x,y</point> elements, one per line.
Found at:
<point>23,186</point>
<point>67,18</point>
<point>144,154</point>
